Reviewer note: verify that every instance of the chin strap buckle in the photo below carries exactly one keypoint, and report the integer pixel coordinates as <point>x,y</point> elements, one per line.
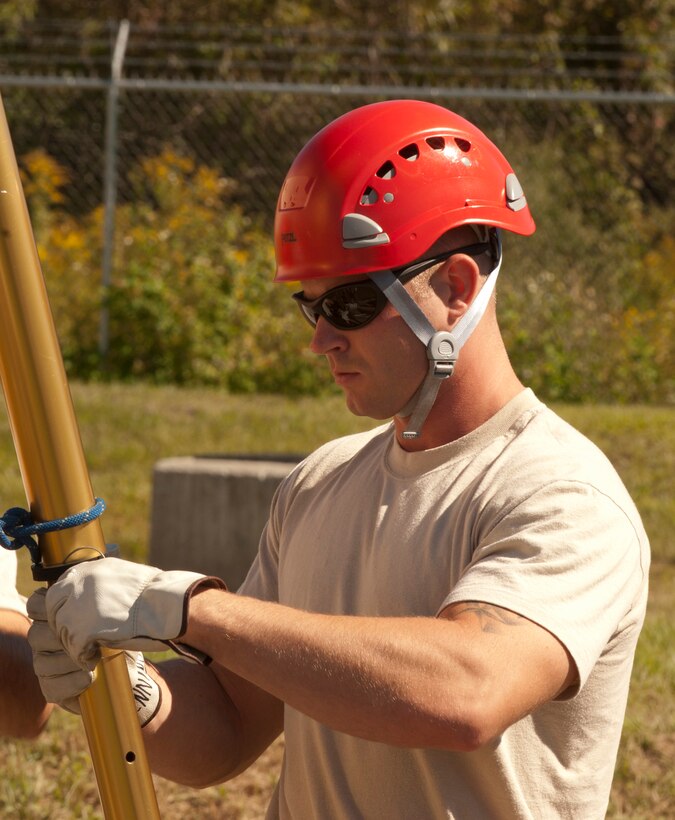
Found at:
<point>442,356</point>
<point>441,353</point>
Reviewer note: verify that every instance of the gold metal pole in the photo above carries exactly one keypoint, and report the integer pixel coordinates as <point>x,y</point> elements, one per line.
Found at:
<point>56,480</point>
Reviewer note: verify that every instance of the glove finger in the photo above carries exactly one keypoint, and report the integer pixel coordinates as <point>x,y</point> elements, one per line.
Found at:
<point>43,641</point>
<point>43,635</point>
<point>87,654</point>
<point>37,605</point>
<point>56,664</point>
<point>64,690</point>
<point>41,638</point>
<point>71,705</point>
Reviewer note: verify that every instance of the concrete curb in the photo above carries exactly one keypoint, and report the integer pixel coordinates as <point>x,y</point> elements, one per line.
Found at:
<point>208,512</point>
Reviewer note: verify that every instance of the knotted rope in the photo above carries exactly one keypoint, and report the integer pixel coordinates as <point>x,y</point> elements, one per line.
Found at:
<point>17,528</point>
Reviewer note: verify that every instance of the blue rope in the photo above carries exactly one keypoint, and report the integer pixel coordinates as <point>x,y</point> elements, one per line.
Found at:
<point>17,528</point>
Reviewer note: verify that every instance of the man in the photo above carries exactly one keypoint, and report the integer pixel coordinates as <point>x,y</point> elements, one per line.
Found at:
<point>23,710</point>
<point>443,613</point>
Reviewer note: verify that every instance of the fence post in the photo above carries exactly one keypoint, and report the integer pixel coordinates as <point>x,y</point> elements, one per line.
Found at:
<point>110,182</point>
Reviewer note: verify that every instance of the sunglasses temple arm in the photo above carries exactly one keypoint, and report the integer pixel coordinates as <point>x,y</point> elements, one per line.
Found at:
<point>399,297</point>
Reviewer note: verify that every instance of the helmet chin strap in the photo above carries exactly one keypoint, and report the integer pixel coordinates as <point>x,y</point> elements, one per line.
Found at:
<point>442,346</point>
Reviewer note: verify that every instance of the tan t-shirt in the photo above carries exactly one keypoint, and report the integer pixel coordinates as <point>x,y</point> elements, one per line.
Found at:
<point>524,513</point>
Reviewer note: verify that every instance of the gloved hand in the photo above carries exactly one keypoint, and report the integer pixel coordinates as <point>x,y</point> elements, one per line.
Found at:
<point>62,680</point>
<point>120,604</point>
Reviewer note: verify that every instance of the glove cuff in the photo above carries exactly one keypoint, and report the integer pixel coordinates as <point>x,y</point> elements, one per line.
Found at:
<point>145,689</point>
<point>205,582</point>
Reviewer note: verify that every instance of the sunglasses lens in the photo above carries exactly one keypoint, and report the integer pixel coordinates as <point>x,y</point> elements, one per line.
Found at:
<point>351,306</point>
<point>309,313</point>
<point>346,307</point>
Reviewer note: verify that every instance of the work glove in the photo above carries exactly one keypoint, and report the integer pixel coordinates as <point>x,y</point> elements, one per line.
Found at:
<point>62,680</point>
<point>119,604</point>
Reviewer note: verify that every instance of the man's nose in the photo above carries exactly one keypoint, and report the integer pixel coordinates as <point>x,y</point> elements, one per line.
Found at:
<point>327,338</point>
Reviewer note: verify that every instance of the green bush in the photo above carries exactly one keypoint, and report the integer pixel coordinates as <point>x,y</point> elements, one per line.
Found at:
<point>191,299</point>
<point>586,303</point>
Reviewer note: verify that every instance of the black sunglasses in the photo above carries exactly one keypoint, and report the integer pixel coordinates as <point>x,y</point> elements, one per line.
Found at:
<point>351,306</point>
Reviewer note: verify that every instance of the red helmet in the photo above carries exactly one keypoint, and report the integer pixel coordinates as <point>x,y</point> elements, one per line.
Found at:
<point>375,188</point>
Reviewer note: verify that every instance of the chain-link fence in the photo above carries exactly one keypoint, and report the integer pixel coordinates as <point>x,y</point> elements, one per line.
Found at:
<point>595,125</point>
<point>251,132</point>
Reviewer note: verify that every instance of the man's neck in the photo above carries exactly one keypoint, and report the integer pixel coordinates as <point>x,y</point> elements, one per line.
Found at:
<point>465,401</point>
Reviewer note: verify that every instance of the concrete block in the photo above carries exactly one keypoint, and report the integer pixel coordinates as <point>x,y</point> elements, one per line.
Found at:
<point>208,512</point>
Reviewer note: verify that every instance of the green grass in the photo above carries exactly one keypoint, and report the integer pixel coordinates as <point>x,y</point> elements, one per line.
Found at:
<point>126,429</point>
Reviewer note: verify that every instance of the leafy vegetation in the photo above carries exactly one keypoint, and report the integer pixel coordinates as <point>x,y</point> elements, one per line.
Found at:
<point>586,303</point>
<point>192,301</point>
<point>630,18</point>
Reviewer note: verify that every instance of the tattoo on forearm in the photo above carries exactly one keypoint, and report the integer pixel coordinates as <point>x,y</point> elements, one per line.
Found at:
<point>490,617</point>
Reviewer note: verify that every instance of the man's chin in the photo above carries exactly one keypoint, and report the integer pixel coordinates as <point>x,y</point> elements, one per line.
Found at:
<point>361,409</point>
<point>354,408</point>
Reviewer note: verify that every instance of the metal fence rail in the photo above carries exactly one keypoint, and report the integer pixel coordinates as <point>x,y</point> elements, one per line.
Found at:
<point>203,118</point>
<point>441,56</point>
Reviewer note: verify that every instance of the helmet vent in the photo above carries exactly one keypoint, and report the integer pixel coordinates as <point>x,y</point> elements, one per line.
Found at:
<point>437,143</point>
<point>462,144</point>
<point>369,196</point>
<point>387,171</point>
<point>410,152</point>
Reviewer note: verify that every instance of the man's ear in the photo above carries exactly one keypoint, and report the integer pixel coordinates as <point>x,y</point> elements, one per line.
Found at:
<point>460,283</point>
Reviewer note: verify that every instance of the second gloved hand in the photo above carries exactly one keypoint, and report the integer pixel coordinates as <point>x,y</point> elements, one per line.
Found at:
<point>120,604</point>
<point>62,680</point>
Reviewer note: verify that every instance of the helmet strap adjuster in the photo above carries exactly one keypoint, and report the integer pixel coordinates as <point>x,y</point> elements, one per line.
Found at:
<point>442,346</point>
<point>442,358</point>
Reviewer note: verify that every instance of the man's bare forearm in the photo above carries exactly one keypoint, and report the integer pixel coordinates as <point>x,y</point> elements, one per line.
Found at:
<point>210,725</point>
<point>23,711</point>
<point>404,681</point>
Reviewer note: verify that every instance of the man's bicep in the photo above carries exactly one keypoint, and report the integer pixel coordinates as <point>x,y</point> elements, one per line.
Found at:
<point>527,663</point>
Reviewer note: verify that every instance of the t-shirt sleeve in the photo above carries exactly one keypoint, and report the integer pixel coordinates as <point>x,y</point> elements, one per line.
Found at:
<point>567,558</point>
<point>262,579</point>
<point>9,597</point>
